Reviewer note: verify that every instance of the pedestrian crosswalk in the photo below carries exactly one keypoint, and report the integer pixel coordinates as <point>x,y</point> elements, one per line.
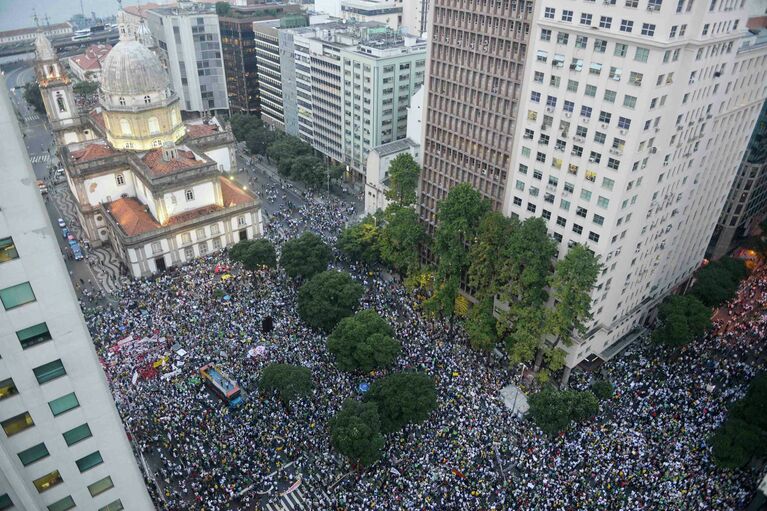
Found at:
<point>40,158</point>
<point>31,117</point>
<point>303,498</point>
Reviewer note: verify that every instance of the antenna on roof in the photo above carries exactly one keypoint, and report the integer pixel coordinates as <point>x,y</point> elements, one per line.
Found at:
<point>34,17</point>
<point>47,21</point>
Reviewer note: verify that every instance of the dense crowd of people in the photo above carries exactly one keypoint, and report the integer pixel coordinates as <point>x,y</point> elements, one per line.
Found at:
<point>645,451</point>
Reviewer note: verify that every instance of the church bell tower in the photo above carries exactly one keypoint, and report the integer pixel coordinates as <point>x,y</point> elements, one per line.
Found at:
<point>55,85</point>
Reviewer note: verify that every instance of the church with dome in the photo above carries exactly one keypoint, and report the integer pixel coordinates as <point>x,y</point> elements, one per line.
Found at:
<point>147,182</point>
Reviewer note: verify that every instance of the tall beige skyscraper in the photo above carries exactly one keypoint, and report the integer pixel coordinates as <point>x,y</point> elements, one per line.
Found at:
<point>62,443</point>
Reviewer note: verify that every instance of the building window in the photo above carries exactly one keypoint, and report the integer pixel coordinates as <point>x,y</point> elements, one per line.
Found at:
<point>7,388</point>
<point>16,296</point>
<point>33,335</point>
<point>88,462</point>
<point>186,238</point>
<point>62,505</point>
<point>641,54</point>
<point>156,247</point>
<point>585,195</point>
<point>620,50</point>
<point>629,101</point>
<point>5,502</point>
<point>564,204</point>
<point>77,434</point>
<point>567,15</point>
<point>147,100</point>
<point>563,38</point>
<point>635,78</point>
<point>63,404</point>
<point>624,123</point>
<point>627,26</point>
<point>117,505</point>
<point>599,220</point>
<point>188,253</point>
<point>49,372</point>
<point>603,202</point>
<point>577,229</point>
<point>203,248</point>
<point>122,101</point>
<point>17,424</point>
<point>154,125</point>
<point>545,34</point>
<point>240,221</point>
<point>189,194</point>
<point>593,236</point>
<point>581,41</point>
<point>216,243</point>
<point>33,454</point>
<point>648,29</point>
<point>549,13</point>
<point>605,22</point>
<point>600,45</point>
<point>531,207</point>
<point>586,18</point>
<point>586,111</point>
<point>8,250</point>
<point>125,127</point>
<point>120,179</point>
<point>561,221</point>
<point>48,481</point>
<point>101,486</point>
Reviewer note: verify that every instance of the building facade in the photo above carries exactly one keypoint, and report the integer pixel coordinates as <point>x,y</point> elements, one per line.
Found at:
<point>746,203</point>
<point>189,43</point>
<point>634,118</point>
<point>415,17</point>
<point>386,12</point>
<point>63,444</point>
<point>58,30</point>
<point>267,41</point>
<point>477,54</point>
<point>87,66</point>
<point>380,74</point>
<point>145,181</point>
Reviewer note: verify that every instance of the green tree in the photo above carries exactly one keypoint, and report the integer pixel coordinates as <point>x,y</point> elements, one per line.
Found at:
<point>361,241</point>
<point>526,333</point>
<point>735,443</point>
<point>305,256</point>
<point>355,431</point>
<point>486,254</point>
<point>571,284</point>
<point>363,342</point>
<point>404,173</point>
<point>401,237</point>
<point>403,398</point>
<point>718,281</point>
<point>287,381</point>
<point>480,326</point>
<point>287,147</point>
<point>682,318</point>
<point>553,410</point>
<point>602,389</point>
<point>251,130</point>
<point>33,97</point>
<point>85,88</point>
<point>458,219</point>
<point>526,264</point>
<point>254,254</point>
<point>327,298</point>
<point>223,8</point>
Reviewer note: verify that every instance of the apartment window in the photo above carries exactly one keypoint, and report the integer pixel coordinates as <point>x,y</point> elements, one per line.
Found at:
<point>605,22</point>
<point>563,37</point>
<point>603,202</point>
<point>553,181</point>
<point>620,50</point>
<point>117,505</point>
<point>613,164</point>
<point>624,123</point>
<point>17,424</point>
<point>576,65</point>
<point>593,236</point>
<point>561,221</point>
<point>88,462</point>
<point>101,486</point>
<point>49,372</point>
<point>545,34</point>
<point>542,56</point>
<point>672,33</point>
<point>549,13</point>
<point>586,111</point>
<point>595,68</point>
<point>641,54</point>
<point>48,481</point>
<point>214,229</point>
<point>569,187</point>
<point>33,454</point>
<point>600,45</point>
<point>203,248</point>
<point>615,73</point>
<point>581,131</point>
<point>62,505</point>
<point>635,78</point>
<point>577,229</point>
<point>585,194</point>
<point>629,101</point>
<point>581,41</point>
<point>188,253</point>
<point>522,169</point>
<point>520,185</point>
<point>8,250</point>
<point>541,157</point>
<point>682,30</point>
<point>551,101</point>
<point>531,207</point>
<point>632,3</point>
<point>591,90</point>
<point>600,137</point>
<point>77,434</point>
<point>586,18</point>
<point>607,183</point>
<point>564,204</point>
<point>627,26</point>
<point>648,29</point>
<point>595,157</point>
<point>63,404</point>
<point>16,296</point>
<point>567,15</point>
<point>598,219</point>
<point>7,388</point>
<point>538,77</point>
<point>517,201</point>
<point>5,502</point>
<point>582,212</point>
<point>534,191</point>
<point>535,97</point>
<point>568,106</point>
<point>604,117</point>
<point>546,213</point>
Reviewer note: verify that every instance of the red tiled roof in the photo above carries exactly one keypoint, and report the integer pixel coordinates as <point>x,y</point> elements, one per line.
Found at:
<point>200,130</point>
<point>757,22</point>
<point>92,152</point>
<point>98,118</point>
<point>232,194</point>
<point>185,160</point>
<point>141,10</point>
<point>192,214</point>
<point>91,59</point>
<point>132,216</point>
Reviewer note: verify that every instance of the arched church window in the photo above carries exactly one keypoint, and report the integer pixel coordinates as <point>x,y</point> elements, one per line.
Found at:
<point>51,71</point>
<point>173,117</point>
<point>147,99</point>
<point>154,125</point>
<point>120,179</point>
<point>60,102</point>
<point>125,127</point>
<point>122,101</point>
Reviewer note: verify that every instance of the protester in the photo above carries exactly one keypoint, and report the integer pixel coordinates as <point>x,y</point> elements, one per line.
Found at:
<point>646,450</point>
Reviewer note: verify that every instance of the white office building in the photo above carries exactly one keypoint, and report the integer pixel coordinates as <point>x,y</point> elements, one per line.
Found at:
<point>633,118</point>
<point>63,445</point>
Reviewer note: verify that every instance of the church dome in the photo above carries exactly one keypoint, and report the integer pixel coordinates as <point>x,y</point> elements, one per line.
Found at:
<point>131,69</point>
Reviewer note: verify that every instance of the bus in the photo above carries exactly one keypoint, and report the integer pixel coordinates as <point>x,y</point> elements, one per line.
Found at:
<point>221,385</point>
<point>82,34</point>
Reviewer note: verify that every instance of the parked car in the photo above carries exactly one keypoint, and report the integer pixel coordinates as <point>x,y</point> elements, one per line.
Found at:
<point>64,232</point>
<point>41,186</point>
<point>77,252</point>
<point>61,222</point>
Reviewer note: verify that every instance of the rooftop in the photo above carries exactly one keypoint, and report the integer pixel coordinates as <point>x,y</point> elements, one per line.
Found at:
<point>185,159</point>
<point>92,151</point>
<point>198,129</point>
<point>395,147</point>
<point>91,59</point>
<point>32,30</point>
<point>133,217</point>
<point>232,194</point>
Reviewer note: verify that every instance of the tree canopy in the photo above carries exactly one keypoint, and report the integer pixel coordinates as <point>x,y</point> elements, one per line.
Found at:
<point>254,254</point>
<point>223,8</point>
<point>404,173</point>
<point>85,88</point>
<point>403,398</point>
<point>400,238</point>
<point>287,381</point>
<point>327,298</point>
<point>486,253</point>
<point>682,319</point>
<point>361,241</point>
<point>355,431</point>
<point>480,326</point>
<point>718,281</point>
<point>251,130</point>
<point>33,97</point>
<point>305,256</point>
<point>363,342</point>
<point>554,410</point>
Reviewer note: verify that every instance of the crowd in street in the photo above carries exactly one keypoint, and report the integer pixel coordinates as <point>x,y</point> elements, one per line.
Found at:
<point>645,451</point>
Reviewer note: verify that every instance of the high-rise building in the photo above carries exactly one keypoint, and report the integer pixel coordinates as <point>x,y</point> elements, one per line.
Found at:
<point>747,201</point>
<point>239,52</point>
<point>63,445</point>
<point>388,12</point>
<point>267,41</point>
<point>189,42</point>
<point>634,118</point>
<point>415,16</point>
<point>476,61</point>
